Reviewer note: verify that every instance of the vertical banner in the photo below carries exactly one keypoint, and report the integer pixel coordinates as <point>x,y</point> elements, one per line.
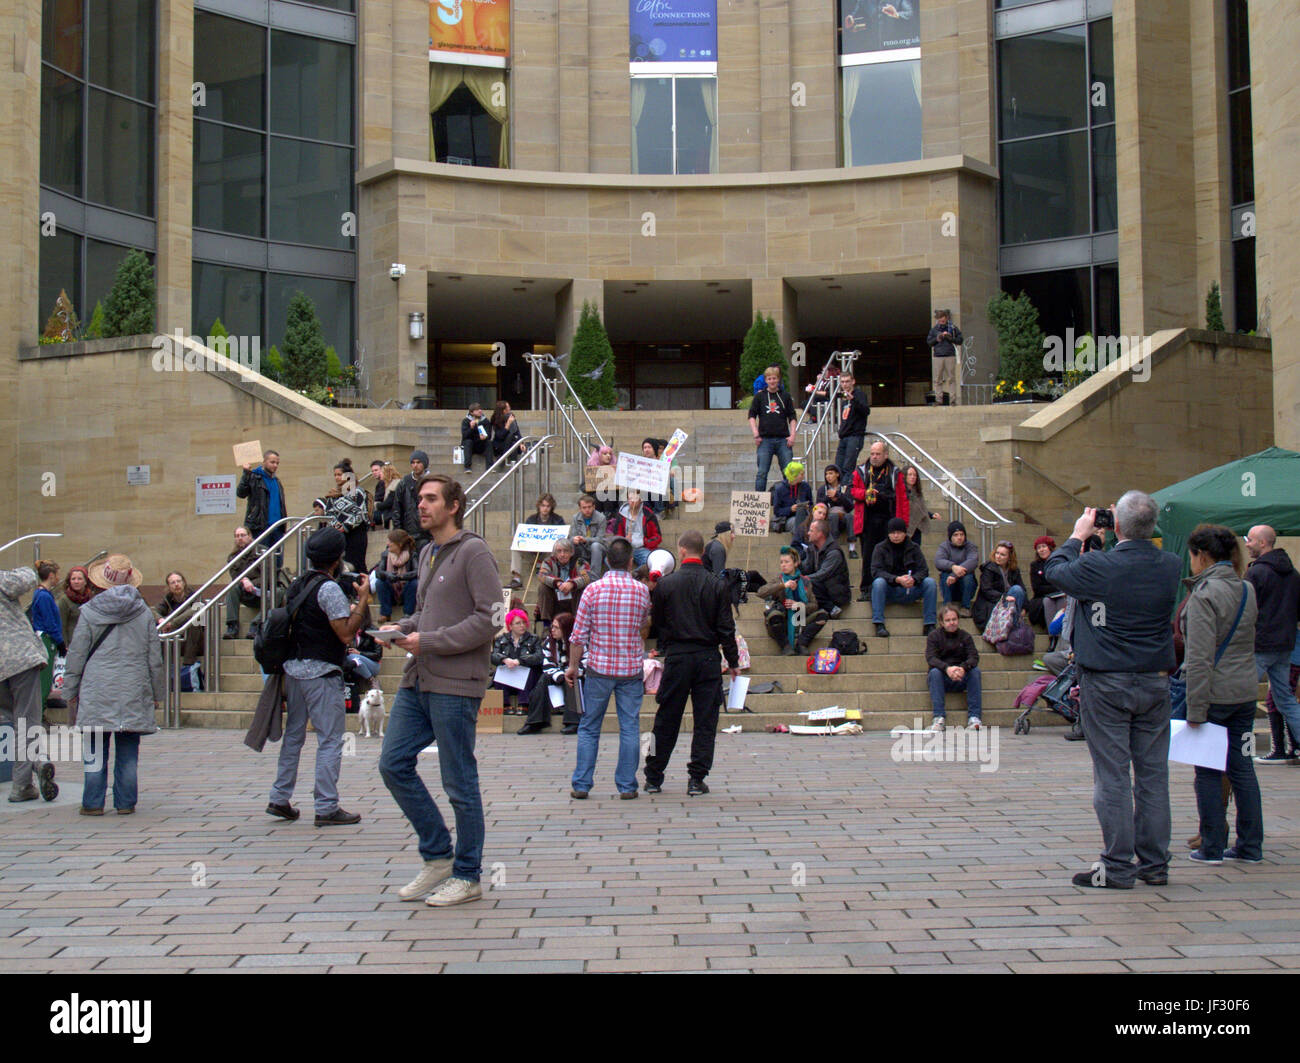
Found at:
<point>470,27</point>
<point>877,26</point>
<point>673,31</point>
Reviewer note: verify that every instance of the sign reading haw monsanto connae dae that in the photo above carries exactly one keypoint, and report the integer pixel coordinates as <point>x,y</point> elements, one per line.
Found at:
<point>473,27</point>
<point>751,512</point>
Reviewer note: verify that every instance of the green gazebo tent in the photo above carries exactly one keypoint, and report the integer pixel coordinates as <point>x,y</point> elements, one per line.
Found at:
<point>1263,488</point>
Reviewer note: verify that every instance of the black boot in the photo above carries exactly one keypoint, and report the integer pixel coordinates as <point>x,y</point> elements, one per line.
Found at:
<point>232,630</point>
<point>1279,732</point>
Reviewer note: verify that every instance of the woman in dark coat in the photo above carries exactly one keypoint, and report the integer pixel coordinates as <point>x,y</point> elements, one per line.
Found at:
<point>1047,600</point>
<point>517,647</point>
<point>999,576</point>
<point>555,661</point>
<point>505,431</point>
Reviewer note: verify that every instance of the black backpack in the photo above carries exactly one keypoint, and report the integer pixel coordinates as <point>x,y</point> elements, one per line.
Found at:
<point>733,582</point>
<point>272,644</point>
<point>846,641</point>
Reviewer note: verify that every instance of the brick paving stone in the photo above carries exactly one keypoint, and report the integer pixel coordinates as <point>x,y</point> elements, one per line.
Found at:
<point>905,868</point>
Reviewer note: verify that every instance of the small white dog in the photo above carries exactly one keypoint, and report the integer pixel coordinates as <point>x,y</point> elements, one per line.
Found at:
<point>372,711</point>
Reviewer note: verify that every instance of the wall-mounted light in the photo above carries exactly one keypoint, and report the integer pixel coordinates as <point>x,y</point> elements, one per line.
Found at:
<point>417,324</point>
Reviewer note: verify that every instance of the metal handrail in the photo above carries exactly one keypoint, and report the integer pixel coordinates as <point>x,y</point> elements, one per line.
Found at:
<point>38,536</point>
<point>476,511</point>
<point>1039,472</point>
<point>975,497</point>
<point>503,462</point>
<point>985,524</point>
<point>540,397</point>
<point>818,447</point>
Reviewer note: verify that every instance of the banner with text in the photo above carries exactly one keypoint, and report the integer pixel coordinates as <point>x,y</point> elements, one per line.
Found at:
<point>636,472</point>
<point>470,27</point>
<point>538,538</point>
<point>673,31</point>
<point>751,512</point>
<point>874,26</point>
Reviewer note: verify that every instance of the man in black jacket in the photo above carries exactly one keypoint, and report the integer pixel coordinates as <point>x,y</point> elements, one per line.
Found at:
<point>855,407</point>
<point>1124,648</point>
<point>954,666</point>
<point>693,616</point>
<point>406,502</point>
<point>1277,590</point>
<point>828,571</point>
<point>944,338</point>
<point>265,494</point>
<point>475,435</point>
<point>899,574</point>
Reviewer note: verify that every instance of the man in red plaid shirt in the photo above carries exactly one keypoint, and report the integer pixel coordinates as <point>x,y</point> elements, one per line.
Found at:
<point>612,623</point>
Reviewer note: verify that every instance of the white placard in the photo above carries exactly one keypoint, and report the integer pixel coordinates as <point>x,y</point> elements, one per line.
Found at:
<point>736,695</point>
<point>1205,746</point>
<point>538,538</point>
<point>516,677</point>
<point>674,445</point>
<point>636,472</point>
<point>214,495</point>
<point>557,696</point>
<point>137,475</point>
<point>751,513</point>
<point>833,713</point>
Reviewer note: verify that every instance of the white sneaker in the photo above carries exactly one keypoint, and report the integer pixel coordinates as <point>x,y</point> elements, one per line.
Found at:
<point>454,891</point>
<point>973,724</point>
<point>937,725</point>
<point>433,872</point>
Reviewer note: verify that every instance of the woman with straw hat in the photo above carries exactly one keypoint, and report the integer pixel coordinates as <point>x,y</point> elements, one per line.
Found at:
<point>114,683</point>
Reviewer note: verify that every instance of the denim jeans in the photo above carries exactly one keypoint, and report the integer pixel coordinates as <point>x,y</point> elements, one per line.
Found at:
<point>416,720</point>
<point>95,750</point>
<point>846,455</point>
<point>1277,666</point>
<point>1018,593</point>
<point>940,684</point>
<point>322,702</point>
<point>963,589</point>
<point>641,555</point>
<point>365,667</point>
<point>387,598</point>
<point>767,449</point>
<point>627,691</point>
<point>882,592</point>
<point>1240,721</point>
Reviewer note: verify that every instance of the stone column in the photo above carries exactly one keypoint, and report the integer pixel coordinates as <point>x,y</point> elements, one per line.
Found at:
<point>175,272</point>
<point>568,309</point>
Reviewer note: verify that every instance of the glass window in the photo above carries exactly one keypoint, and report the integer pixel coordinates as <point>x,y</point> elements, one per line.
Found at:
<point>119,150</point>
<point>311,88</point>
<point>1063,298</point>
<point>310,189</point>
<point>233,295</point>
<point>464,133</point>
<point>697,125</point>
<point>1105,196</point>
<point>1101,87</point>
<point>333,301</point>
<point>60,270</point>
<point>102,261</point>
<point>1042,83</point>
<point>1238,45</point>
<point>882,113</point>
<point>122,46</point>
<point>60,132</point>
<point>1243,148</point>
<point>1106,301</point>
<point>228,179</point>
<point>62,34</point>
<point>1045,191</point>
<point>230,62</point>
<point>652,125</point>
<point>1243,269</point>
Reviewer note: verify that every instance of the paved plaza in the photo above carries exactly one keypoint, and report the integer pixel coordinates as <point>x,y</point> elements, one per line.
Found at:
<point>810,854</point>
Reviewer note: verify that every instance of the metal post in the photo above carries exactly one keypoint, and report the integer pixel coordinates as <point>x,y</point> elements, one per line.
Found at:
<point>175,678</point>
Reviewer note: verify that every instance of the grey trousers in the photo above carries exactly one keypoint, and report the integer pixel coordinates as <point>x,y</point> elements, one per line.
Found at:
<point>23,703</point>
<point>1126,721</point>
<point>321,701</point>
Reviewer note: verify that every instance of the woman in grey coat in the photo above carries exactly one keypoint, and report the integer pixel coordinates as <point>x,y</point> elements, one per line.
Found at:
<point>114,683</point>
<point>1218,626</point>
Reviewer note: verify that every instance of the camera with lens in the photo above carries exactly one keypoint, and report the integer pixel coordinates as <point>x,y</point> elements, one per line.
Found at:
<point>1105,518</point>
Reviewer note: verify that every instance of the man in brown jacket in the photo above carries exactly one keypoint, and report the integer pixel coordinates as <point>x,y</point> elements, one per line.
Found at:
<point>449,637</point>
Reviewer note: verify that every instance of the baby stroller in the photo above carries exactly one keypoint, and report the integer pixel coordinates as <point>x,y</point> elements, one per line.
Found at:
<point>1061,696</point>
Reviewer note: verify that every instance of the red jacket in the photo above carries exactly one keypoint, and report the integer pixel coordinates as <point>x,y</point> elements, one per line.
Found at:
<point>618,527</point>
<point>859,492</point>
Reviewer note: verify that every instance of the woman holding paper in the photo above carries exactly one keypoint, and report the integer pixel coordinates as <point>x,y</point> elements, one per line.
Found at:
<point>517,656</point>
<point>1218,627</point>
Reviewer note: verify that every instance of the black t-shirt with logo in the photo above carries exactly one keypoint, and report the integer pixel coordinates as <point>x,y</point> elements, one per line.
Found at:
<point>774,413</point>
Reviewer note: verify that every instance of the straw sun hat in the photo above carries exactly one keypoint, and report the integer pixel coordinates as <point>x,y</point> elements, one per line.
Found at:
<point>115,570</point>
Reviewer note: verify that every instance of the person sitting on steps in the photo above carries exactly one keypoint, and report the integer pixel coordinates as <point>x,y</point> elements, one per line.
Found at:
<point>792,606</point>
<point>899,574</point>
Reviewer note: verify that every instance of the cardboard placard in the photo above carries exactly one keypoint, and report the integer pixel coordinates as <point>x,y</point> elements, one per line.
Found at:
<point>538,538</point>
<point>250,453</point>
<point>597,478</point>
<point>491,714</point>
<point>751,513</point>
<point>636,472</point>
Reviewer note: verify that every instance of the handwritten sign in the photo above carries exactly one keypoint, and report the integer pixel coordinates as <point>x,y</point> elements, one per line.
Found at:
<point>538,538</point>
<point>214,494</point>
<point>249,453</point>
<point>491,712</point>
<point>751,511</point>
<point>636,472</point>
<point>833,713</point>
<point>597,479</point>
<point>675,443</point>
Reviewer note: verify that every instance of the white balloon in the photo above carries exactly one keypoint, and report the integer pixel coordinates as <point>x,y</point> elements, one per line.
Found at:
<point>661,561</point>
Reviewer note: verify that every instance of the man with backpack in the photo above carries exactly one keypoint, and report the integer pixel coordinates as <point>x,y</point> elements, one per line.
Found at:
<point>321,627</point>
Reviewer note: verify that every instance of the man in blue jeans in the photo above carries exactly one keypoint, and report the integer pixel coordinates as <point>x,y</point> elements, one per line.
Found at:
<point>611,624</point>
<point>772,420</point>
<point>899,574</point>
<point>1277,589</point>
<point>954,666</point>
<point>457,613</point>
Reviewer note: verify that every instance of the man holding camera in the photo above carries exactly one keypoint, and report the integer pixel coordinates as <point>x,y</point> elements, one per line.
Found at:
<point>1124,649</point>
<point>944,338</point>
<point>322,626</point>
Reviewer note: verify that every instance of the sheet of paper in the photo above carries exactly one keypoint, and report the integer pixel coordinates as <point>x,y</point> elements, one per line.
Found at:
<point>736,696</point>
<point>557,697</point>
<point>1205,746</point>
<point>516,677</point>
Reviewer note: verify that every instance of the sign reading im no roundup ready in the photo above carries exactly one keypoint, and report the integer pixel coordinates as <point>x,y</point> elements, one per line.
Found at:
<point>751,512</point>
